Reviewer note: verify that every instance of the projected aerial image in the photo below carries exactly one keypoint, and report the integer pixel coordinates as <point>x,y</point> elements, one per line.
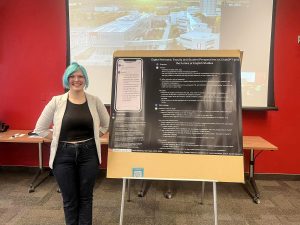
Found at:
<point>98,28</point>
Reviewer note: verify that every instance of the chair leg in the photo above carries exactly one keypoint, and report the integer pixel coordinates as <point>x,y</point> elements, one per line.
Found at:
<point>202,192</point>
<point>169,193</point>
<point>141,193</point>
<point>128,190</point>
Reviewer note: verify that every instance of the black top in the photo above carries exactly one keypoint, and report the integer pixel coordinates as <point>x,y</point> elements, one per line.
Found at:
<point>77,123</point>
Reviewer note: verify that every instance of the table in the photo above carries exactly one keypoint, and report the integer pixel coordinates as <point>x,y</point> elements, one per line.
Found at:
<point>254,143</point>
<point>21,136</point>
<point>251,143</point>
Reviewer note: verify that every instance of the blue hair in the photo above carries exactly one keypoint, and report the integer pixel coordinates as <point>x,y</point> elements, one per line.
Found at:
<point>73,67</point>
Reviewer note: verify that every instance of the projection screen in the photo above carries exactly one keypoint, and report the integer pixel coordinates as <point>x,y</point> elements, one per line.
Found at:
<point>97,28</point>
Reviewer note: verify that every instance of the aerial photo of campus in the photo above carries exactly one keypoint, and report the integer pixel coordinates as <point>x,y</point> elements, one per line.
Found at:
<point>99,27</point>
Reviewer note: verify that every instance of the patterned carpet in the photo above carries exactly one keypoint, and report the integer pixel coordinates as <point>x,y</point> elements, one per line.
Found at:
<point>280,203</point>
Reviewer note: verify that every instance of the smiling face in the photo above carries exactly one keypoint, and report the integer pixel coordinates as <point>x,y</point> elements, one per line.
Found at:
<point>76,81</point>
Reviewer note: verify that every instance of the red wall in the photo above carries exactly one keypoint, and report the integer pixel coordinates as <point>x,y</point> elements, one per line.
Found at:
<point>32,61</point>
<point>281,127</point>
<point>33,58</point>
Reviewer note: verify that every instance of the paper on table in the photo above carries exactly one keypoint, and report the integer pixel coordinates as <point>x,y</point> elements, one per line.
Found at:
<point>35,136</point>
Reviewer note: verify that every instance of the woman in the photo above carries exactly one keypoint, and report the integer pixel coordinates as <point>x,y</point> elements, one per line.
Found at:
<point>78,119</point>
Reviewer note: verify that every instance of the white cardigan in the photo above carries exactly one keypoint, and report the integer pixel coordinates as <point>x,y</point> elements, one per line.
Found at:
<point>53,114</point>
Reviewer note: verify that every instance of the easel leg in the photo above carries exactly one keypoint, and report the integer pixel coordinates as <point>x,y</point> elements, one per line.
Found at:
<point>122,201</point>
<point>215,203</point>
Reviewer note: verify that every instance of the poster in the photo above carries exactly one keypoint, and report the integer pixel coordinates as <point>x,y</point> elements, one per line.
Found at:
<point>179,105</point>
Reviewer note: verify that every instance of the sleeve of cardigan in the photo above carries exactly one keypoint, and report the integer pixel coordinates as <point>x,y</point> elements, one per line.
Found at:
<point>103,116</point>
<point>42,127</point>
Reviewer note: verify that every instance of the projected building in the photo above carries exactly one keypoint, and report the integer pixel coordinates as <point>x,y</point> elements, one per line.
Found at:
<point>116,34</point>
<point>198,40</point>
<point>208,7</point>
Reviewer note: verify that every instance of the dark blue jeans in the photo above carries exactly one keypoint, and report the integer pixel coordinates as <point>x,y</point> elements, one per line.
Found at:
<point>75,169</point>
